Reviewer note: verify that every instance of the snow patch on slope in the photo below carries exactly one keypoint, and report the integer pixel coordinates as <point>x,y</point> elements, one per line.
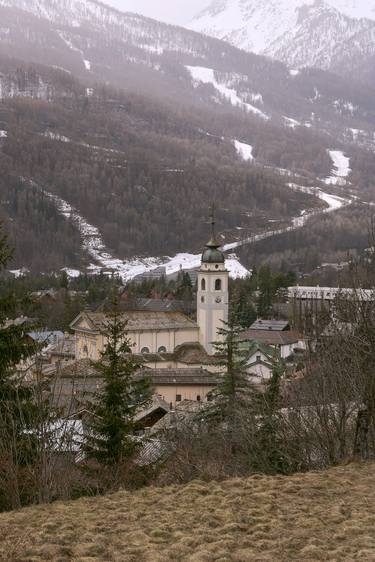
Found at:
<point>71,273</point>
<point>244,150</point>
<point>68,42</point>
<point>203,75</point>
<point>341,168</point>
<point>292,123</point>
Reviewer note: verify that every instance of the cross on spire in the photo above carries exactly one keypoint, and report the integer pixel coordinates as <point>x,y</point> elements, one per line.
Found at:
<point>213,243</point>
<point>213,221</point>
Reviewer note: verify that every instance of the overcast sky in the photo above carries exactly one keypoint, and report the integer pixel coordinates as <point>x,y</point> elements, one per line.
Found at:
<point>171,11</point>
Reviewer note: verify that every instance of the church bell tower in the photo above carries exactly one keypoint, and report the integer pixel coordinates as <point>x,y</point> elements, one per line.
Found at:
<point>212,295</point>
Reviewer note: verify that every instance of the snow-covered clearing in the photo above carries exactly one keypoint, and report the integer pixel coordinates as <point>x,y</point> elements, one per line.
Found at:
<point>61,138</point>
<point>292,123</point>
<point>56,136</point>
<point>201,74</point>
<point>355,133</point>
<point>3,134</point>
<point>155,49</point>
<point>244,150</point>
<point>341,168</point>
<point>19,272</point>
<point>72,273</point>
<point>343,106</point>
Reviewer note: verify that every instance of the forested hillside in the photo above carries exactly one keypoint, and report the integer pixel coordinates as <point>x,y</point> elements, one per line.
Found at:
<point>125,163</point>
<point>123,129</point>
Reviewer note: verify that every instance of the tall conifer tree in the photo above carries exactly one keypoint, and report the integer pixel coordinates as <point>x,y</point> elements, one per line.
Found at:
<point>111,437</point>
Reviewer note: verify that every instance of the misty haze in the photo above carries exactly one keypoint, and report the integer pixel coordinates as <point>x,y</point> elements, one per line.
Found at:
<point>187,284</point>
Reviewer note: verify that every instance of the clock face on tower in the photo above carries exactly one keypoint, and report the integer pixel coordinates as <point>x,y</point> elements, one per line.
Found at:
<point>218,300</point>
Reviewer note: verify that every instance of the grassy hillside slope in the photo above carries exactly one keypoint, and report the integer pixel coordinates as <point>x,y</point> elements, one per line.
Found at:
<point>314,516</point>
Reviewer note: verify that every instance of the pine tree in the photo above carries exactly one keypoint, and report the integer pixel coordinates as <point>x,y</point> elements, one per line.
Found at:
<point>17,409</point>
<point>235,389</point>
<point>111,436</point>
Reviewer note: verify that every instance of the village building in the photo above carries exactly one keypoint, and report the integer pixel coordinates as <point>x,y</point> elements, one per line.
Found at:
<point>312,308</point>
<point>270,325</point>
<point>148,332</point>
<point>285,342</point>
<point>260,361</point>
<point>75,385</point>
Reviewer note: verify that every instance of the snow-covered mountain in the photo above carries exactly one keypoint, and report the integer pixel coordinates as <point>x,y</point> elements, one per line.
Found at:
<point>322,33</point>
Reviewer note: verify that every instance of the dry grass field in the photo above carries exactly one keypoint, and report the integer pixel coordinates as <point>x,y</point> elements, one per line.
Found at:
<point>317,516</point>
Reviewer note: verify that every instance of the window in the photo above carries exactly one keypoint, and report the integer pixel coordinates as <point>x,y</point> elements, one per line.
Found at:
<point>178,398</point>
<point>198,398</point>
<point>85,350</point>
<point>259,358</point>
<point>162,349</point>
<point>203,284</point>
<point>145,350</point>
<point>218,285</point>
<point>202,299</point>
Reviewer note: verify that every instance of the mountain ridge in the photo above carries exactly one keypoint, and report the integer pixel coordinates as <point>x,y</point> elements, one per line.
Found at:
<point>290,31</point>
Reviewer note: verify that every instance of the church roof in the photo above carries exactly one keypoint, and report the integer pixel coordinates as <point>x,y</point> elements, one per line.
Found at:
<point>149,305</point>
<point>139,320</point>
<point>188,376</point>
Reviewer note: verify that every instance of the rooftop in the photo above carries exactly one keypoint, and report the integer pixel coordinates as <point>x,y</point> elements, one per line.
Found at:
<point>188,376</point>
<point>139,320</point>
<point>128,303</point>
<point>330,293</point>
<point>272,337</point>
<point>275,325</point>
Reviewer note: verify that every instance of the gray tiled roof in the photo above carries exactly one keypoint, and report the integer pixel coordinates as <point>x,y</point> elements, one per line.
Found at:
<point>272,337</point>
<point>144,320</point>
<point>156,305</point>
<point>180,376</point>
<point>276,325</point>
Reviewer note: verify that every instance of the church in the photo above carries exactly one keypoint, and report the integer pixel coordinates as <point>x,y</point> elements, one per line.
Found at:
<point>162,332</point>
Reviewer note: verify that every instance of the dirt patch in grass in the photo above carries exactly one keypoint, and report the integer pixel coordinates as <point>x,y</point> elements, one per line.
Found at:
<point>326,516</point>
